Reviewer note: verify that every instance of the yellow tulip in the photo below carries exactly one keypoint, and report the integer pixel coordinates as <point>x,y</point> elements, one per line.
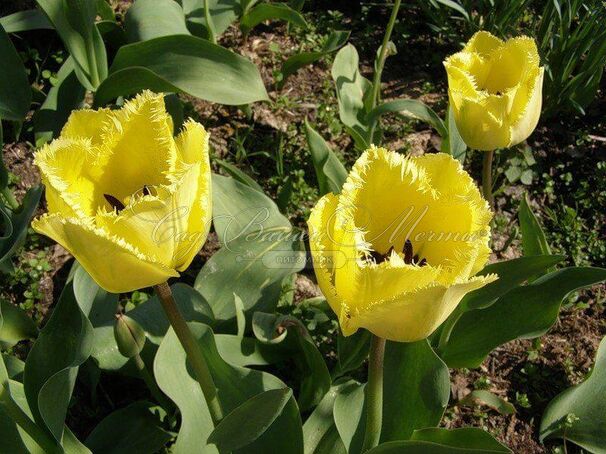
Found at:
<point>495,90</point>
<point>131,202</point>
<point>397,250</point>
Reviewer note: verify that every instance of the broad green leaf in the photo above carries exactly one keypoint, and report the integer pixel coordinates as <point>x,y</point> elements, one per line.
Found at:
<point>412,108</point>
<point>522,313</point>
<point>239,175</point>
<point>249,421</point>
<point>427,447</point>
<point>16,223</point>
<point>252,266</point>
<point>352,93</point>
<point>21,21</point>
<point>330,173</point>
<point>151,316</point>
<point>319,431</point>
<point>334,42</point>
<point>14,366</point>
<point>270,11</point>
<point>350,415</point>
<point>100,308</point>
<point>15,325</point>
<point>418,385</point>
<point>74,21</point>
<point>148,19</point>
<point>52,365</point>
<point>223,13</point>
<point>288,335</point>
<point>248,351</point>
<point>470,438</point>
<point>15,92</point>
<point>484,397</point>
<point>235,385</point>
<point>585,408</point>
<point>533,237</point>
<point>352,350</point>
<point>186,64</point>
<point>511,274</point>
<point>239,210</point>
<point>453,143</point>
<point>135,428</point>
<point>63,97</point>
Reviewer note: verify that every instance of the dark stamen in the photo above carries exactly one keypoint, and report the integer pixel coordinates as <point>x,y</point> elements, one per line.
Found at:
<point>415,259</point>
<point>423,262</point>
<point>378,258</point>
<point>407,252</point>
<point>146,190</point>
<point>114,202</point>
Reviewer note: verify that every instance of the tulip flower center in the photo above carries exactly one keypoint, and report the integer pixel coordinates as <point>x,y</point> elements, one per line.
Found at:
<point>410,258</point>
<point>118,205</point>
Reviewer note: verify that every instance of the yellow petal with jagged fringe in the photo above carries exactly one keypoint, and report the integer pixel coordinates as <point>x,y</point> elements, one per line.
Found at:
<point>392,208</point>
<point>131,202</point>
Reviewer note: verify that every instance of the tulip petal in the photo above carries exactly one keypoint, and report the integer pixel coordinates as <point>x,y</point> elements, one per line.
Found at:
<point>479,128</point>
<point>526,109</point>
<point>87,124</point>
<point>414,315</point>
<point>483,43</point>
<point>113,263</point>
<point>64,165</point>
<point>138,149</point>
<point>193,194</point>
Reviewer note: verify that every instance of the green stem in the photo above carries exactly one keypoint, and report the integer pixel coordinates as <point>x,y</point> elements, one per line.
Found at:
<point>374,394</point>
<point>192,349</point>
<point>376,82</point>
<point>10,198</point>
<point>487,176</point>
<point>15,412</point>
<point>209,23</point>
<point>151,383</point>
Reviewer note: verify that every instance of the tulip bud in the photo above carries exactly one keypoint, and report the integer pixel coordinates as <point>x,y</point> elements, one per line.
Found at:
<point>129,335</point>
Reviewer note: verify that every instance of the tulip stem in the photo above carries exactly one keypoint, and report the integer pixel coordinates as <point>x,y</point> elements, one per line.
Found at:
<point>192,349</point>
<point>15,412</point>
<point>376,82</point>
<point>374,394</point>
<point>151,383</point>
<point>487,177</point>
<point>210,26</point>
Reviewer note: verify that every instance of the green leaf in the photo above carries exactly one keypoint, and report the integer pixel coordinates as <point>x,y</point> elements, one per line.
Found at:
<point>235,385</point>
<point>148,19</point>
<point>16,223</point>
<point>335,41</point>
<point>135,428</point>
<point>239,210</point>
<point>288,335</point>
<point>270,11</point>
<point>533,237</point>
<point>350,415</point>
<point>100,307</point>
<point>14,366</point>
<point>522,313</point>
<point>74,21</point>
<point>331,174</point>
<point>151,316</point>
<point>223,13</point>
<point>427,447</point>
<point>579,413</point>
<point>319,431</point>
<point>418,385</point>
<point>52,365</point>
<point>65,96</point>
<point>239,175</point>
<point>250,420</point>
<point>511,274</point>
<point>412,108</point>
<point>15,325</point>
<point>352,350</point>
<point>468,437</point>
<point>453,143</point>
<point>352,92</point>
<point>484,397</point>
<point>15,92</point>
<point>22,21</point>
<point>186,64</point>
